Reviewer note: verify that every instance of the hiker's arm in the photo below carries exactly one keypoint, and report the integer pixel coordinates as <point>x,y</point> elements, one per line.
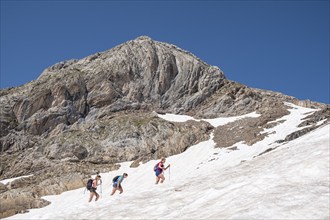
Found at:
<point>119,182</point>
<point>167,166</point>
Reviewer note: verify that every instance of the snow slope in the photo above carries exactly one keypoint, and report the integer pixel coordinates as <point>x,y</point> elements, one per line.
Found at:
<point>289,182</point>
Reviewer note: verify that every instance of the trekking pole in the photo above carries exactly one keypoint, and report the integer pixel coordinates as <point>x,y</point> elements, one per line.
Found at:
<point>169,173</point>
<point>101,189</point>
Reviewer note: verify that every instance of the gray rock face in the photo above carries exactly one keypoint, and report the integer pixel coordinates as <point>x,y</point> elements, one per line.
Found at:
<point>85,115</point>
<point>139,71</point>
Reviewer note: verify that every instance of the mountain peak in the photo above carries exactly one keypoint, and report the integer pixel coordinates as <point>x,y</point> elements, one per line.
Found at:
<point>143,37</point>
<point>143,71</point>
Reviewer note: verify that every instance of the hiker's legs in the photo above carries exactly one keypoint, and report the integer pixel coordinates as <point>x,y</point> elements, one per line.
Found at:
<point>97,196</point>
<point>157,179</point>
<point>113,191</point>
<point>162,177</point>
<point>120,190</point>
<point>91,195</point>
<point>158,175</point>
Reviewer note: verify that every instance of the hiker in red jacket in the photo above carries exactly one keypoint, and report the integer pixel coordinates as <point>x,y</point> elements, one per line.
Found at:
<point>159,170</point>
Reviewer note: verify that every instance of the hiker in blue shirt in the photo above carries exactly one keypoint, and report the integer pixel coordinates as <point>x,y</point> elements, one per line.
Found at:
<point>117,181</point>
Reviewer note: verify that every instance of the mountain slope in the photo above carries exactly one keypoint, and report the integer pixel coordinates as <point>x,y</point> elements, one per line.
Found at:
<point>290,181</point>
<point>85,115</point>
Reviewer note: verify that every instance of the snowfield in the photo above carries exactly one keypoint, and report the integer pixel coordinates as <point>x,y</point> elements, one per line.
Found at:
<point>289,182</point>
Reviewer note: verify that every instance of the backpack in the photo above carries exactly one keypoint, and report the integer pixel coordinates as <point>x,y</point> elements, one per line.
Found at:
<point>115,179</point>
<point>89,184</point>
<point>156,167</point>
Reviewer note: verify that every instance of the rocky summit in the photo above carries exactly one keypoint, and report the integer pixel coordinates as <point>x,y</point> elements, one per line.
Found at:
<point>87,115</point>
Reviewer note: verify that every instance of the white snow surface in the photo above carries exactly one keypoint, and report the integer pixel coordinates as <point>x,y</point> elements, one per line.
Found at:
<point>12,179</point>
<point>214,122</point>
<point>289,182</point>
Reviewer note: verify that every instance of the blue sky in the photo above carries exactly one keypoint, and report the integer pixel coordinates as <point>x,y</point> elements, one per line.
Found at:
<point>281,46</point>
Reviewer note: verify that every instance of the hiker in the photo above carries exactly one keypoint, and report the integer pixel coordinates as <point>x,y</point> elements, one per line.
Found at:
<point>117,181</point>
<point>159,170</point>
<point>98,173</point>
<point>94,187</point>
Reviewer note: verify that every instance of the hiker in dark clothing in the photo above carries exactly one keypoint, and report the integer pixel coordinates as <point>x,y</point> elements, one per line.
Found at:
<point>96,182</point>
<point>117,181</point>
